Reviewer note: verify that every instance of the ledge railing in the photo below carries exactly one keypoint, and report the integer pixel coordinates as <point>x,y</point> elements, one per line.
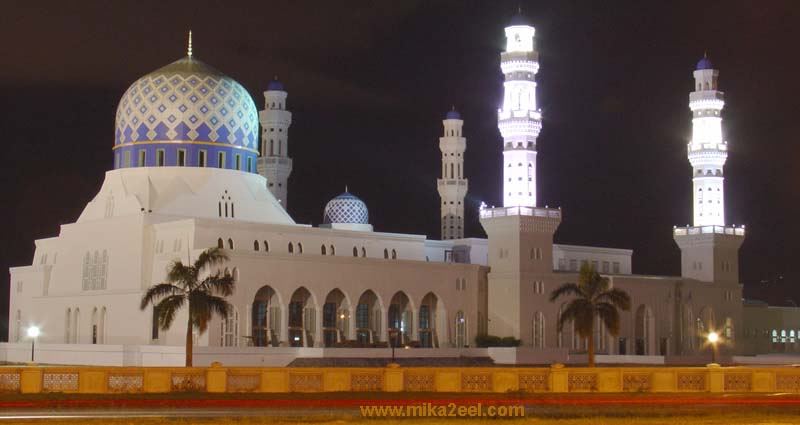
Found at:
<point>555,379</point>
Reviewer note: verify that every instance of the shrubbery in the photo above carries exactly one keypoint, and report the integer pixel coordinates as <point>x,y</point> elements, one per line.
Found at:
<point>496,341</point>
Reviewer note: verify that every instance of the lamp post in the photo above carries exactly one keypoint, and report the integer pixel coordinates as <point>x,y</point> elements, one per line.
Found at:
<point>33,333</point>
<point>713,338</point>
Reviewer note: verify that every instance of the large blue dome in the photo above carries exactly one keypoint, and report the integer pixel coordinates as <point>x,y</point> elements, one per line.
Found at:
<point>346,209</point>
<point>186,114</point>
<point>704,63</point>
<point>453,115</point>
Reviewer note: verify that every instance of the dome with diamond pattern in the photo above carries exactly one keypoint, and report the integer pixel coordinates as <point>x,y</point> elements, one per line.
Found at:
<point>346,209</point>
<point>186,114</point>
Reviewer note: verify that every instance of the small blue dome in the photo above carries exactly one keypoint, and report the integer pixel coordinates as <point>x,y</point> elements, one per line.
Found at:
<point>704,63</point>
<point>275,85</point>
<point>519,20</point>
<point>453,115</point>
<point>346,209</point>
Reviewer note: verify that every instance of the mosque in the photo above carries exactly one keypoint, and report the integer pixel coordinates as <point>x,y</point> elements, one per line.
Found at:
<point>197,165</point>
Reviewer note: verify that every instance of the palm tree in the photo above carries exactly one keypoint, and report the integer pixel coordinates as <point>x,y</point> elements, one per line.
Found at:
<point>205,295</point>
<point>593,298</point>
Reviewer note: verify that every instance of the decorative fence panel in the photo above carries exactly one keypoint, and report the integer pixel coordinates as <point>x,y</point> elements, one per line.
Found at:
<point>557,379</point>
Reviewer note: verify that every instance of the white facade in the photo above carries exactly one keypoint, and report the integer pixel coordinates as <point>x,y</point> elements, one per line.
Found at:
<point>452,186</point>
<point>274,162</point>
<point>519,119</point>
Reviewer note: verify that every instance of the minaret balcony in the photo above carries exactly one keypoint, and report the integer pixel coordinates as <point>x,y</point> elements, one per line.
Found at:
<point>521,211</point>
<point>699,230</point>
<point>507,114</point>
<point>696,147</point>
<point>532,56</point>
<point>452,182</point>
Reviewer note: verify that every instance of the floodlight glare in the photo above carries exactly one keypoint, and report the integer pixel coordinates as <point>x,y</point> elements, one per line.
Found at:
<point>33,331</point>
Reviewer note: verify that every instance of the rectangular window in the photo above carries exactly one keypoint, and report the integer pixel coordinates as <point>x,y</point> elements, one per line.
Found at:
<point>201,158</point>
<point>605,266</point>
<point>249,164</point>
<point>573,265</point>
<point>142,158</point>
<point>127,158</point>
<point>221,160</point>
<point>238,162</point>
<point>616,267</point>
<point>117,161</point>
<point>160,158</point>
<point>562,264</point>
<point>181,157</point>
<point>595,267</point>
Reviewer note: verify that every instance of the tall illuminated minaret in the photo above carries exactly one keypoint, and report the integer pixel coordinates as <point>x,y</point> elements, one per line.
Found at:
<point>519,120</point>
<point>707,150</point>
<point>709,248</point>
<point>274,163</point>
<point>452,186</point>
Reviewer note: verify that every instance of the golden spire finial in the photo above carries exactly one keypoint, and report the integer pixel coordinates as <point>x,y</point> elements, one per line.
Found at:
<point>189,49</point>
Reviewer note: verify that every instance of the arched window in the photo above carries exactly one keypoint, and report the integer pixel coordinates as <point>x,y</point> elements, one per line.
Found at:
<point>355,252</point>
<point>94,329</point>
<point>229,329</point>
<point>76,322</point>
<point>394,255</point>
<point>67,329</point>
<point>363,252</point>
<point>385,253</point>
<point>230,243</point>
<point>300,247</point>
<point>102,325</point>
<point>538,330</point>
<point>266,246</point>
<point>333,250</point>
<point>220,244</point>
<point>18,326</point>
<point>323,250</point>
<point>291,248</point>
<point>461,329</point>
<point>235,274</point>
<point>255,245</point>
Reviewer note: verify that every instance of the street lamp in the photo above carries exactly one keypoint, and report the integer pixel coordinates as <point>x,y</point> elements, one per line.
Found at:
<point>33,333</point>
<point>713,338</point>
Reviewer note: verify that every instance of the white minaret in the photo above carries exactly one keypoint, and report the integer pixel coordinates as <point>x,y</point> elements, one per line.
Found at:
<point>274,163</point>
<point>707,150</point>
<point>452,186</point>
<point>519,120</point>
<point>709,249</point>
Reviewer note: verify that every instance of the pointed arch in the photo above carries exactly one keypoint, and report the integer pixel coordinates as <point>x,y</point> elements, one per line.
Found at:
<point>336,316</point>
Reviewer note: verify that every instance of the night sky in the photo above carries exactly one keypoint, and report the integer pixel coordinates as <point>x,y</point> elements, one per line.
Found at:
<point>369,83</point>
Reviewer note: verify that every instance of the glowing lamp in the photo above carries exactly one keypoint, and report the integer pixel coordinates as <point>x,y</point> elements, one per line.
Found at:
<point>33,332</point>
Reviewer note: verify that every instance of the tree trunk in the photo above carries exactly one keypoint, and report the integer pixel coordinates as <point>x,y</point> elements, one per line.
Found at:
<point>189,340</point>
<point>590,350</point>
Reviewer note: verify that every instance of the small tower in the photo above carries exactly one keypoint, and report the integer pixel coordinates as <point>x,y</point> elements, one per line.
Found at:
<point>519,120</point>
<point>452,186</point>
<point>709,248</point>
<point>274,163</point>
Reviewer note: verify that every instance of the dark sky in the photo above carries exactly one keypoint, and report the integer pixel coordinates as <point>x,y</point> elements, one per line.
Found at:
<point>370,81</point>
